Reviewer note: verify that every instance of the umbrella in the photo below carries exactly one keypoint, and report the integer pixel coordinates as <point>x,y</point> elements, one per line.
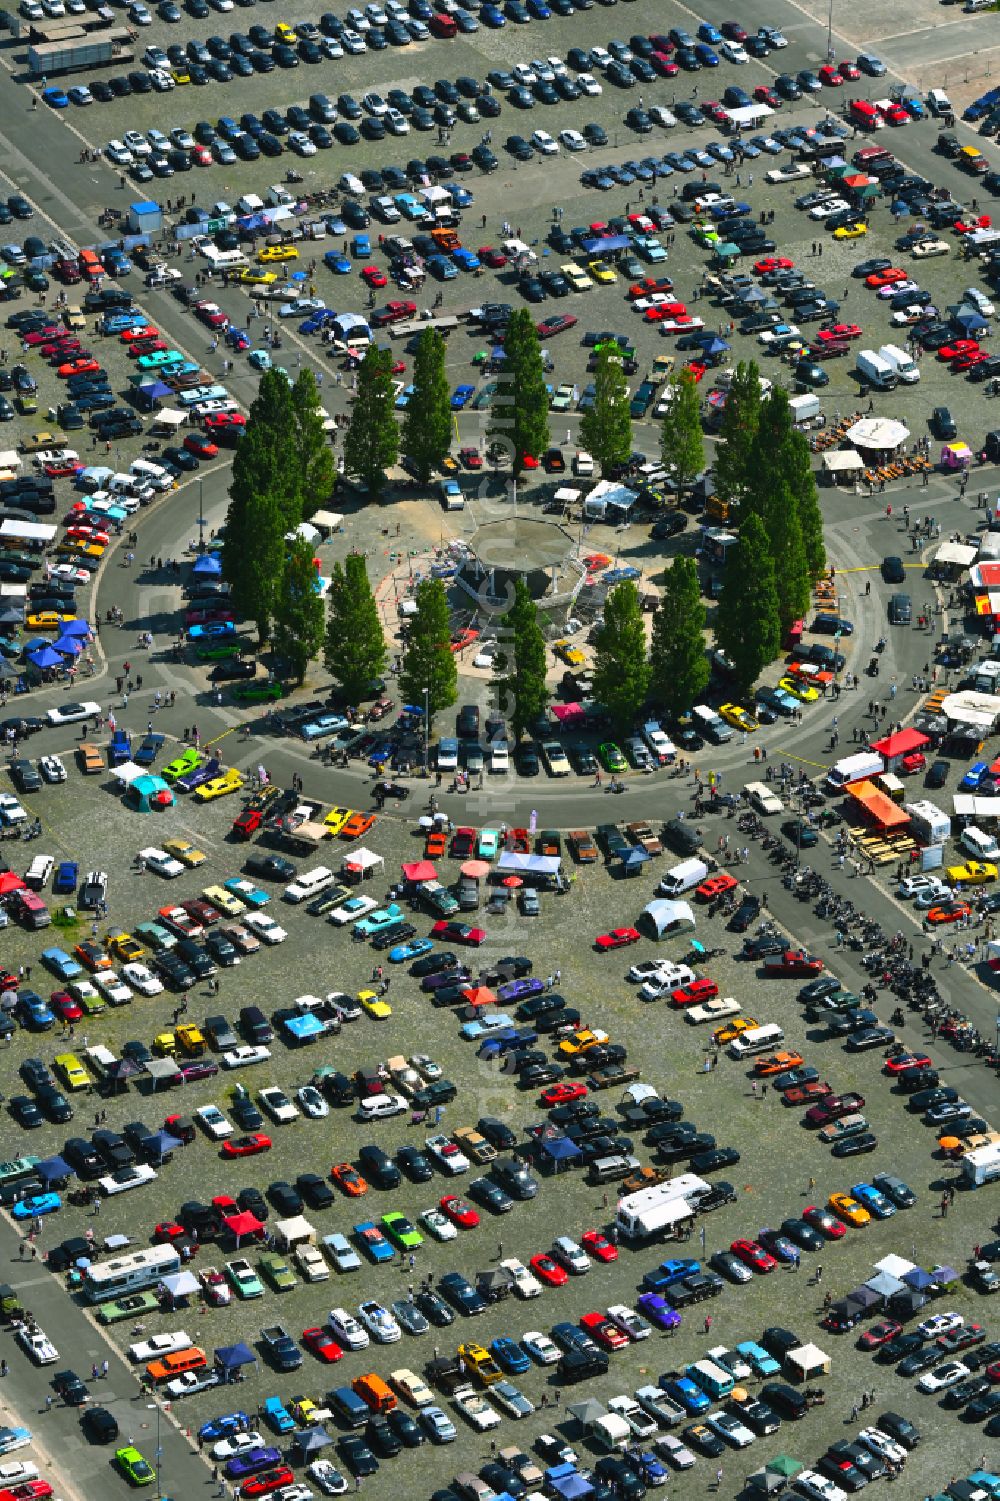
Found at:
<point>300,275</point>
<point>76,628</point>
<point>784,1464</point>
<point>45,656</point>
<point>68,646</point>
<point>476,869</point>
<point>512,882</point>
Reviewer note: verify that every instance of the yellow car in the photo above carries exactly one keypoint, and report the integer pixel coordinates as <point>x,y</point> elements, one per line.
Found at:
<point>739,718</point>
<point>571,655</point>
<point>165,1044</point>
<point>74,318</point>
<point>602,273</point>
<point>257,278</point>
<point>850,231</point>
<point>81,546</point>
<point>801,691</point>
<point>127,948</point>
<point>581,1040</point>
<point>224,900</point>
<point>284,33</point>
<point>732,1030</point>
<point>180,74</point>
<point>576,276</point>
<point>972,873</point>
<point>336,819</point>
<point>304,1409</point>
<point>184,851</point>
<point>231,780</point>
<point>47,620</point>
<point>374,1005</point>
<point>272,253</point>
<point>480,1362</point>
<point>848,1209</point>
<point>71,1071</point>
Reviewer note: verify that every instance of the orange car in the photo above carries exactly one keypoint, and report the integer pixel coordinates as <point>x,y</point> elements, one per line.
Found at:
<point>436,845</point>
<point>777,1063</point>
<point>347,1178</point>
<point>176,1363</point>
<point>948,911</point>
<point>357,825</point>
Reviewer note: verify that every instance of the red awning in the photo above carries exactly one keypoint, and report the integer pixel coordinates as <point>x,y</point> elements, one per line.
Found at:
<point>243,1224</point>
<point>419,870</point>
<point>904,743</point>
<point>877,807</point>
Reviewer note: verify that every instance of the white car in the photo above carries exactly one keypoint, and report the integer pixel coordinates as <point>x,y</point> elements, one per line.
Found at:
<point>733,1362</point>
<point>484,656</point>
<point>326,1475</point>
<point>300,143</point>
<point>126,1179</point>
<point>112,988</point>
<point>640,1422</point>
<point>730,1429</point>
<point>137,144</point>
<point>877,1442</point>
<point>52,769</point>
<point>378,1107</point>
<point>544,71</point>
<point>526,1284</point>
<point>940,1323</point>
<point>17,1471</point>
<point>118,153</point>
<point>475,1409</point>
<point>38,1346</point>
<point>277,1105</point>
<point>524,75</point>
<point>72,713</point>
<point>160,1344</point>
<point>447,1156</point>
<point>783,331</point>
<point>943,1376</point>
<point>788,174</point>
<point>629,1322</point>
<point>540,1347</point>
<point>671,977</point>
<point>543,143</point>
<point>916,885</point>
<point>311,1263</point>
<point>827,207</point>
<point>244,1056</point>
<point>897,289</point>
<point>733,52</point>
<point>237,1443</point>
<point>928,248</point>
<point>265,927</point>
<point>11,811</point>
<point>589,85</point>
<point>340,1251</point>
<point>192,1382</point>
<point>160,862</point>
<point>352,909</point>
<point>213,1122</point>
<point>440,1428</point>
<point>411,1386</point>
<point>675,1453</point>
<point>312,1102</point>
<point>570,1255</point>
<point>346,1330</point>
<point>439,1225</point>
<point>817,1487</point>
<point>379,1322</point>
<point>572,140</point>
<point>600,57</point>
<point>499,756</point>
<point>660,115</point>
<point>981,303</point>
<point>399,125</point>
<point>714,1010</point>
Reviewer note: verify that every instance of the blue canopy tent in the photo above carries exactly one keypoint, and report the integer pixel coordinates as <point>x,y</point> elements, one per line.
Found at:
<point>557,1152</point>
<point>607,244</point>
<point>209,566</point>
<point>714,345</point>
<point>79,628</point>
<point>53,1170</point>
<point>311,1440</point>
<point>633,860</point>
<point>919,1279</point>
<point>160,1146</point>
<point>969,321</point>
<point>44,656</point>
<point>229,1359</point>
<point>567,1482</point>
<point>68,646</point>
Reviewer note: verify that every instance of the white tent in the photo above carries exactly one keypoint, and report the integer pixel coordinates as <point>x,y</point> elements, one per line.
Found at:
<point>896,1266</point>
<point>664,918</point>
<point>749,114</point>
<point>956,554</point>
<point>27,531</point>
<point>843,461</point>
<point>877,432</point>
<point>978,711</point>
<point>543,865</point>
<point>129,772</point>
<point>808,1361</point>
<point>363,859</point>
<point>327,521</point>
<point>293,1232</point>
<point>169,420</point>
<point>180,1284</point>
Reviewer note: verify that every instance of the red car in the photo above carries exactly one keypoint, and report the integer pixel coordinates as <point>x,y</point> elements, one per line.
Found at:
<point>470,458</point>
<point>829,351</point>
<point>833,1107</point>
<point>600,1328</point>
<point>662,64</point>
<point>734,31</point>
<point>879,1334</point>
<point>246,1146</point>
<point>548,1270</point>
<point>322,1344</point>
<point>906,1060</point>
<point>765,95</point>
<point>211,314</point>
<point>562,1094</point>
<point>702,989</point>
<point>886,278</point>
<point>715,886</point>
<point>491,257</point>
<point>967,361</point>
<point>393,312</point>
<point>956,347</point>
<point>965,226</point>
<point>48,335</point>
<point>840,331</point>
<point>63,1004</point>
<point>144,331</point>
<point>649,285</point>
<point>246,824</point>
<point>82,365</point>
<point>220,422</point>
<point>713,111</point>
<point>555,323</point>
<point>167,1231</point>
<point>200,911</point>
<point>828,74</point>
<point>147,346</point>
<point>458,932</point>
<point>201,446</point>
<point>948,911</point>
<point>28,1490</point>
<point>88,534</point>
<point>753,1255</point>
<point>807,1094</point>
<point>849,70</point>
<point>374,277</point>
<point>793,962</point>
<point>596,1244</point>
<point>618,938</point>
<point>268,1480</point>
<point>774,263</point>
<point>459,1212</point>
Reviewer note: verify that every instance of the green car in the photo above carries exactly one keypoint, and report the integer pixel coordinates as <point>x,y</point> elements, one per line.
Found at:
<point>244,1279</point>
<point>132,1465</point>
<point>611,757</point>
<point>155,936</point>
<point>182,764</point>
<point>159,359</point>
<point>127,1308</point>
<point>91,1004</point>
<point>217,648</point>
<point>278,1272</point>
<point>264,690</point>
<point>399,1229</point>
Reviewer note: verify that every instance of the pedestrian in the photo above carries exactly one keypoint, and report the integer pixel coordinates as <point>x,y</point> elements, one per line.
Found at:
<point>718,1478</point>
<point>818,1274</point>
<point>104,1370</point>
<point>854,1412</point>
<point>48,1402</point>
<point>708,1323</point>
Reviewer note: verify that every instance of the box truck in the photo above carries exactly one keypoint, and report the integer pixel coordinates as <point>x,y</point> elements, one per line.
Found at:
<point>981,1166</point>
<point>875,371</point>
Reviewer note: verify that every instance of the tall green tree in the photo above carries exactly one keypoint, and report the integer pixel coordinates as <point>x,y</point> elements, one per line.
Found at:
<point>427,424</point>
<point>298,610</point>
<point>682,442</point>
<point>519,410</point>
<point>317,466</point>
<point>678,660</point>
<point>748,626</point>
<point>428,661</point>
<point>253,549</point>
<point>519,678</point>
<point>736,457</point>
<point>355,650</point>
<point>606,427</point>
<point>788,554</point>
<point>621,668</point>
<point>371,445</point>
<point>801,479</point>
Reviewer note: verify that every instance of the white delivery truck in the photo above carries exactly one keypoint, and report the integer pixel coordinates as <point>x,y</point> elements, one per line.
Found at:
<point>982,1165</point>
<point>906,368</point>
<point>928,822</point>
<point>854,769</point>
<point>804,408</point>
<point>655,1213</point>
<point>875,371</point>
<point>683,877</point>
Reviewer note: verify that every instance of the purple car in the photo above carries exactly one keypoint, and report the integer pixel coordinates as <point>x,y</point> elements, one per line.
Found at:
<point>199,1068</point>
<point>249,1464</point>
<point>457,976</point>
<point>658,1311</point>
<point>200,774</point>
<point>519,990</point>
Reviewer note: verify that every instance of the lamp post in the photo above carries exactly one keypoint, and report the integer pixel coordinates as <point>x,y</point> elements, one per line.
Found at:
<point>201,515</point>
<point>158,1451</point>
<point>829,33</point>
<point>427,715</point>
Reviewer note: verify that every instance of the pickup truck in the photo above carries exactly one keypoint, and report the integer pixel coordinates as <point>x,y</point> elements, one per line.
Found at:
<point>644,837</point>
<point>280,1348</point>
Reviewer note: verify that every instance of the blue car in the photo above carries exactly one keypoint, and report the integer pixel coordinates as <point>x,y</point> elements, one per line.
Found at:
<point>465,260</point>
<point>56,98</point>
<point>62,965</point>
<point>652,1470</point>
<point>709,33</point>
<point>509,1356</point>
<point>411,950</point>
<point>361,247</point>
<point>874,1200</point>
<point>373,1241</point>
<point>460,397</point>
<point>259,359</point>
<point>539,10</point>
<point>37,1204</point>
<point>276,1414</point>
<point>226,1425</point>
<point>974,776</point>
<point>242,1465</point>
<point>914,108</point>
<point>692,1398</point>
<point>706,56</point>
<point>756,1356</point>
<point>149,749</point>
<point>654,1306</point>
<point>442,267</point>
<point>338,264</point>
<point>211,628</point>
<point>493,18</point>
<point>36,1014</point>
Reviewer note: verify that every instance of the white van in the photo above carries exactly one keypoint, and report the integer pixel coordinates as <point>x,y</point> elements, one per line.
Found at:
<point>875,371</point>
<point>977,843</point>
<point>683,877</point>
<point>756,1040</point>
<point>906,368</point>
<point>309,883</point>
<point>762,798</point>
<point>938,102</point>
<point>38,872</point>
<point>151,474</point>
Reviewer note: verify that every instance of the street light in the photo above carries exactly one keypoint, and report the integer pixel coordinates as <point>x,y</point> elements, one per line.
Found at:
<point>201,515</point>
<point>427,715</point>
<point>158,1451</point>
<point>829,33</point>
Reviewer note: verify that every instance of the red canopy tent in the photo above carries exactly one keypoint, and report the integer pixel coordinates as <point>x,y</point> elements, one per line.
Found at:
<point>244,1226</point>
<point>417,871</point>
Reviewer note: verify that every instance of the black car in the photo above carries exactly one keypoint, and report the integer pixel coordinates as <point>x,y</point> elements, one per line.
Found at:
<point>785,1400</point>
<point>270,867</point>
<point>899,1348</point>
<point>415,1164</point>
<point>26,1112</point>
<point>943,425</point>
<point>892,570</point>
<point>497,1133</point>
<point>490,1195</point>
<point>68,1385</point>
<point>315,1190</point>
<point>54,1104</point>
<point>99,1425</point>
<point>460,1292</point>
<point>356,1455</point>
<point>899,1428</point>
<point>434,1308</point>
<point>286,1199</point>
